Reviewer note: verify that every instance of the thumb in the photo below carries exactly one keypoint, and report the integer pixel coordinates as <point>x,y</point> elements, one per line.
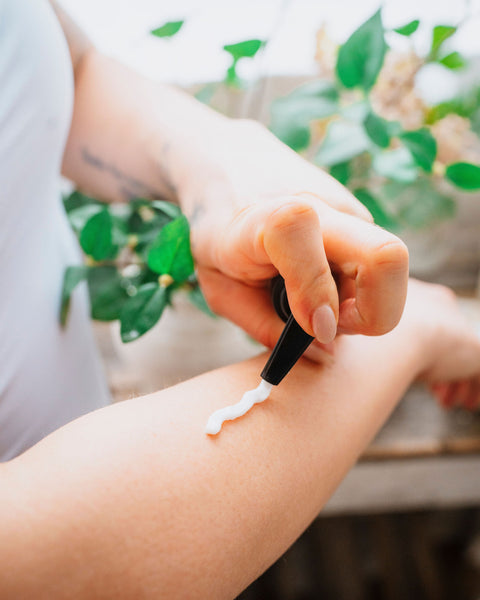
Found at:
<point>292,240</point>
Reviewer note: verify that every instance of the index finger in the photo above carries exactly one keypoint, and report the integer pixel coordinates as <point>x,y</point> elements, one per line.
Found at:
<point>377,262</point>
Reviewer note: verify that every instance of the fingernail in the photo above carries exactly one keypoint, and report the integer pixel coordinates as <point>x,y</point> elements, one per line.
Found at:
<point>324,324</point>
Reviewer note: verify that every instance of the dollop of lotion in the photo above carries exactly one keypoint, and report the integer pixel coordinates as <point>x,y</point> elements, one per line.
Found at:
<point>229,413</point>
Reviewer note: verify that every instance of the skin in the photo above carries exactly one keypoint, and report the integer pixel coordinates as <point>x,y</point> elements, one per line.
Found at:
<point>135,501</point>
<point>255,207</point>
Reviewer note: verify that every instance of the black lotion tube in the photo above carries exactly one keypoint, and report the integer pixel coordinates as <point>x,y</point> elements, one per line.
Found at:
<point>291,344</point>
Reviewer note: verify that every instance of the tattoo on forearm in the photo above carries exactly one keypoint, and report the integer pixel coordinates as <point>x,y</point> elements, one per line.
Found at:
<point>129,186</point>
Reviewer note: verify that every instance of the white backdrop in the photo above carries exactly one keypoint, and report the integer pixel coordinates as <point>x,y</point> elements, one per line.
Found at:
<point>120,28</point>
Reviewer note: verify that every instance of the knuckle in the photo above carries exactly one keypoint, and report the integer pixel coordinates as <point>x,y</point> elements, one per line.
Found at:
<point>305,287</point>
<point>322,272</point>
<point>365,215</point>
<point>363,212</point>
<point>355,209</point>
<point>352,206</point>
<point>310,292</point>
<point>392,255</point>
<point>292,214</point>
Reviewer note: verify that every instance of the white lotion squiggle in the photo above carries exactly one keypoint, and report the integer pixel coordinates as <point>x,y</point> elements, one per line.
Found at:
<point>229,413</point>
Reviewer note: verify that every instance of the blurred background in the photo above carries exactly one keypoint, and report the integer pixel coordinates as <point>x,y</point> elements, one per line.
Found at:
<point>405,524</point>
<point>121,28</point>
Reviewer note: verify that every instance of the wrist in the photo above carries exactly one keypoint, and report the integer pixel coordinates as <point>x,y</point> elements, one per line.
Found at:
<point>187,144</point>
<point>417,336</point>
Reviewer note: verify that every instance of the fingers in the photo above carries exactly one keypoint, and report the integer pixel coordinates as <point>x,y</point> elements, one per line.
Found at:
<point>441,391</point>
<point>460,394</point>
<point>279,237</point>
<point>292,240</point>
<point>299,241</point>
<point>257,316</point>
<point>338,197</point>
<point>473,401</point>
<point>248,307</point>
<point>376,262</point>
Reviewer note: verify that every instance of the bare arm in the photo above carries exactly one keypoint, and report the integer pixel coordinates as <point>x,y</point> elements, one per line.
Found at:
<point>135,501</point>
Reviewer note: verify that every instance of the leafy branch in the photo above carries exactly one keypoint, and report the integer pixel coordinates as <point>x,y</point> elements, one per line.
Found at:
<point>245,49</point>
<point>167,30</point>
<point>370,154</point>
<point>137,255</point>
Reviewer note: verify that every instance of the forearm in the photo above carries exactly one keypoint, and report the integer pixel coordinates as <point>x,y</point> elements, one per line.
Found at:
<point>133,137</point>
<point>135,499</point>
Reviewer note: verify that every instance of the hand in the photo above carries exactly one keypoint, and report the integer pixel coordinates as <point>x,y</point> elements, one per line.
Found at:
<point>451,347</point>
<point>265,210</point>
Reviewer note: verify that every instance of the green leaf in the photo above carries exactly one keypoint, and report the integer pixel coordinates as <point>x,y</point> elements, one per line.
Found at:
<point>409,28</point>
<point>343,142</point>
<point>423,147</point>
<point>464,175</point>
<point>291,132</point>
<point>372,204</point>
<point>356,112</point>
<point>440,34</point>
<point>396,164</point>
<point>465,105</point>
<point>361,57</point>
<point>231,77</point>
<point>142,311</point>
<point>198,299</point>
<point>107,293</point>
<point>245,49</point>
<point>77,200</point>
<point>377,130</point>
<point>453,61</point>
<point>291,115</point>
<point>167,30</point>
<point>119,231</point>
<point>417,204</point>
<point>96,238</point>
<point>146,231</point>
<point>425,205</point>
<point>170,253</point>
<point>71,278</point>
<point>78,217</point>
<point>167,208</point>
<point>341,172</point>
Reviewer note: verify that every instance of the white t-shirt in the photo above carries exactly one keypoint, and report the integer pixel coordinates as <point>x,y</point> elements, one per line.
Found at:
<point>48,376</point>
